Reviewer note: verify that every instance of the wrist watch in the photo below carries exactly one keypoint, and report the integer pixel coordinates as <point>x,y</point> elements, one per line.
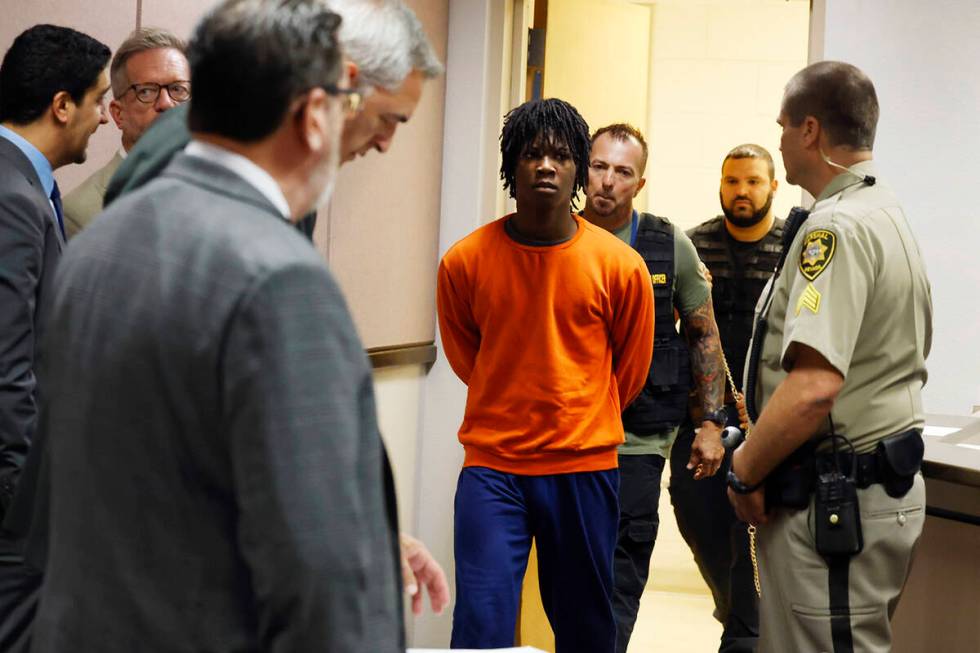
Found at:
<point>719,416</point>
<point>738,487</point>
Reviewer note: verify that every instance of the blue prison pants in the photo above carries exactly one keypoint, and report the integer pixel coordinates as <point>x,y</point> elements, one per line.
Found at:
<point>573,519</point>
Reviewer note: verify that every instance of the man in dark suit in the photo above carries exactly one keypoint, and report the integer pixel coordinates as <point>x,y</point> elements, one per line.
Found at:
<point>52,85</point>
<point>216,471</point>
<point>390,72</point>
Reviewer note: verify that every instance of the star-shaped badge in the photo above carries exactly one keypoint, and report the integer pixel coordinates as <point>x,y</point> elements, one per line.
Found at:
<point>818,250</point>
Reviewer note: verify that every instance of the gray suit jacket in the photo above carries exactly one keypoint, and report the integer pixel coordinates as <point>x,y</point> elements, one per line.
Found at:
<point>83,203</point>
<point>216,470</point>
<point>30,248</point>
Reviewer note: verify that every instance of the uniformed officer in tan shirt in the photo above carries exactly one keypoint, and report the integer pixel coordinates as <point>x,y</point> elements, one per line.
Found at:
<point>849,322</point>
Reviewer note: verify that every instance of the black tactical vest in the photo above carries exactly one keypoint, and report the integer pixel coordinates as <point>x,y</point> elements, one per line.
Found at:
<point>739,273</point>
<point>662,404</point>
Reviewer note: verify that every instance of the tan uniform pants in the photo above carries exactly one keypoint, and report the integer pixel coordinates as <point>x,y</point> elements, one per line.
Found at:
<point>794,611</point>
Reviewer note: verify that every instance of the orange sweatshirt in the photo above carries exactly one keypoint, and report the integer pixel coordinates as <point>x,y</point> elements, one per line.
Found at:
<point>552,342</point>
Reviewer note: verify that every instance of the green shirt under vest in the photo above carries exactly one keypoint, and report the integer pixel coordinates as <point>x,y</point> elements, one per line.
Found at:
<point>691,291</point>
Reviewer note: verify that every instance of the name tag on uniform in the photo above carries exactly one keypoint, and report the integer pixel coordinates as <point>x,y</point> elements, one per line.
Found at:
<point>658,279</point>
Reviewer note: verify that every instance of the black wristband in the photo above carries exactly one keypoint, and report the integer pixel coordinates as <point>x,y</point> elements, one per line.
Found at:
<point>738,487</point>
<point>718,416</point>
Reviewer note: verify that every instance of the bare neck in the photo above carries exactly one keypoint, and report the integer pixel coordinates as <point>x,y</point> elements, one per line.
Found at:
<point>824,173</point>
<point>612,222</point>
<point>545,224</point>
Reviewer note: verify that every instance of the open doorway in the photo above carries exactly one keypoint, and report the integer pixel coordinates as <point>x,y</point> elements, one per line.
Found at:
<point>698,77</point>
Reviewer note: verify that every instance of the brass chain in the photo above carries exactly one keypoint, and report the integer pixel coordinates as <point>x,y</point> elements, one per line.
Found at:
<point>751,529</point>
<point>755,562</point>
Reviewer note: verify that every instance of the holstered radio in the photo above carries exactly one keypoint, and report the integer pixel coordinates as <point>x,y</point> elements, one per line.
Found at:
<point>837,515</point>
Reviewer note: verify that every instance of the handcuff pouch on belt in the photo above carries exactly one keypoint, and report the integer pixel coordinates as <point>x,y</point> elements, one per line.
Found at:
<point>899,458</point>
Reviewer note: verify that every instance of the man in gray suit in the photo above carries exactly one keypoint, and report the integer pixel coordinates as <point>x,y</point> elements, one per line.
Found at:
<point>52,85</point>
<point>149,76</point>
<point>216,469</point>
<point>387,53</point>
<point>390,56</point>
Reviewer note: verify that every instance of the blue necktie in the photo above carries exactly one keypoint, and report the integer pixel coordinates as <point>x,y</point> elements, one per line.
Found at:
<point>59,213</point>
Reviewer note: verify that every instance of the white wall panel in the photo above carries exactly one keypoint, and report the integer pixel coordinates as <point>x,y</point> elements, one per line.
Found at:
<point>924,59</point>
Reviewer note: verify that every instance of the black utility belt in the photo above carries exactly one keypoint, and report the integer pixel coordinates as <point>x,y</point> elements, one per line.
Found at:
<point>894,463</point>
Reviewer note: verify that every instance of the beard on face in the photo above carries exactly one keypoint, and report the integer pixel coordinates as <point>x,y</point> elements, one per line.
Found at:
<point>604,212</point>
<point>749,221</point>
<point>81,156</point>
<point>330,166</point>
<point>331,179</point>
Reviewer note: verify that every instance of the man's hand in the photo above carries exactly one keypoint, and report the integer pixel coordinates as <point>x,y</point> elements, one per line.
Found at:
<point>707,451</point>
<point>750,508</point>
<point>420,569</point>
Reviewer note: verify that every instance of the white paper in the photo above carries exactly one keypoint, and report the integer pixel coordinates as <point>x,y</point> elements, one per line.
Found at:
<point>522,649</point>
<point>939,431</point>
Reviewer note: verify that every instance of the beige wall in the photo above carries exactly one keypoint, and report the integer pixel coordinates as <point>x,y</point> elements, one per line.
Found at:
<point>109,23</point>
<point>381,232</point>
<point>597,56</point>
<point>717,74</point>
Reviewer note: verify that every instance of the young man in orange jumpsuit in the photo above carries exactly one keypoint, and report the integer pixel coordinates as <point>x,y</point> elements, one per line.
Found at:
<point>548,319</point>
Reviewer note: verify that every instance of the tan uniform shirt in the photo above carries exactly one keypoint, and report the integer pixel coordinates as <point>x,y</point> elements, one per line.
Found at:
<point>854,288</point>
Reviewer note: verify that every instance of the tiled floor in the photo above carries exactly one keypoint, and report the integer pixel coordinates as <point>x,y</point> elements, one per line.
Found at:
<point>675,612</point>
<point>674,622</point>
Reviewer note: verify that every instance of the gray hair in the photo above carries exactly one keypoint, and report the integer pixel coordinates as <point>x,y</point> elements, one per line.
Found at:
<point>141,40</point>
<point>386,41</point>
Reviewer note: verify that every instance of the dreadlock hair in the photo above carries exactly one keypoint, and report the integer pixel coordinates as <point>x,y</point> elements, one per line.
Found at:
<point>555,121</point>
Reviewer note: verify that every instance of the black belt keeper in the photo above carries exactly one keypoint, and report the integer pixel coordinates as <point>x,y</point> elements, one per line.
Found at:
<point>894,463</point>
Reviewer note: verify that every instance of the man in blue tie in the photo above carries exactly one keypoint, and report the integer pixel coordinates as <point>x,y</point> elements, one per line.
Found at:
<point>53,82</point>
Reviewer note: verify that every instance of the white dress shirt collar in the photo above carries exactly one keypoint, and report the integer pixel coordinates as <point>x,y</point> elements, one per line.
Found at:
<point>244,168</point>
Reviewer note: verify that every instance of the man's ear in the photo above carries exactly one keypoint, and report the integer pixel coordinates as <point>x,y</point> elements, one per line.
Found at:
<point>312,116</point>
<point>639,186</point>
<point>774,185</point>
<point>811,132</point>
<point>115,110</point>
<point>353,73</point>
<point>62,107</point>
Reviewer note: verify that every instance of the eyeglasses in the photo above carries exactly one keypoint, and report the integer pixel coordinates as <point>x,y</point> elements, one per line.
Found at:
<point>351,98</point>
<point>149,92</point>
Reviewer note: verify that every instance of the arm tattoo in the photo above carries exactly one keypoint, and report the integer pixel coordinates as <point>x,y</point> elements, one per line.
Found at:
<point>707,360</point>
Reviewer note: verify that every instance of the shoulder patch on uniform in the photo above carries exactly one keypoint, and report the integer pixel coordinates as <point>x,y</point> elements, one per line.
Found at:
<point>818,250</point>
